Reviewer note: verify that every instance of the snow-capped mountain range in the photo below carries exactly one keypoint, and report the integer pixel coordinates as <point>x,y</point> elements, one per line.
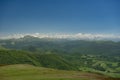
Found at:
<point>78,36</point>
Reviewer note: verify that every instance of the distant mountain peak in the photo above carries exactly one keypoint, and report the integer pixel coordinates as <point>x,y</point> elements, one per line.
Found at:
<point>78,36</point>
<point>28,36</point>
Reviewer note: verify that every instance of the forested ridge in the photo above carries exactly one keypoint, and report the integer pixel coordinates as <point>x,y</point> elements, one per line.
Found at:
<point>101,57</point>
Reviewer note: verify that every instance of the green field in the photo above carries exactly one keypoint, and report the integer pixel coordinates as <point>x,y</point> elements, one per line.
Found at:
<point>29,72</point>
<point>31,58</point>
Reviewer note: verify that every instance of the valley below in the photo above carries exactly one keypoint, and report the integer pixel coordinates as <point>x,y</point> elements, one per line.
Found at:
<point>32,58</point>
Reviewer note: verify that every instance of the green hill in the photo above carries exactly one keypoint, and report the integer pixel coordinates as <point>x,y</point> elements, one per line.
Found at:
<point>22,57</point>
<point>16,57</point>
<point>90,56</point>
<point>54,61</point>
<point>28,72</point>
<point>34,44</point>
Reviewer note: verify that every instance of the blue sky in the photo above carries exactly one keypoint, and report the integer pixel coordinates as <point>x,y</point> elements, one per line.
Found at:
<point>60,16</point>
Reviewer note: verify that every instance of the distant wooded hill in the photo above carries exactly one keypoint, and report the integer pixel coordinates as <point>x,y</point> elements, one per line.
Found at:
<point>63,45</point>
<point>92,56</point>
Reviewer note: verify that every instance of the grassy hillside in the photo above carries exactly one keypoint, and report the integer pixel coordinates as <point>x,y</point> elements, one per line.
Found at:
<point>109,65</point>
<point>85,63</point>
<point>54,61</point>
<point>16,57</point>
<point>23,57</point>
<point>28,72</point>
<point>89,56</point>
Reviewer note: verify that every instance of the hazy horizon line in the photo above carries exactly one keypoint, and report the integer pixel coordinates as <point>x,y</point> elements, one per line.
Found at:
<point>88,36</point>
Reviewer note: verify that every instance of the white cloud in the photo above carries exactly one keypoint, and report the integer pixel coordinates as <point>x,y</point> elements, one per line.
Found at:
<point>82,36</point>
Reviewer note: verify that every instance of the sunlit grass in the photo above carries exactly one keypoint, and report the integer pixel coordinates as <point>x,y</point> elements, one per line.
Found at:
<point>28,72</point>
